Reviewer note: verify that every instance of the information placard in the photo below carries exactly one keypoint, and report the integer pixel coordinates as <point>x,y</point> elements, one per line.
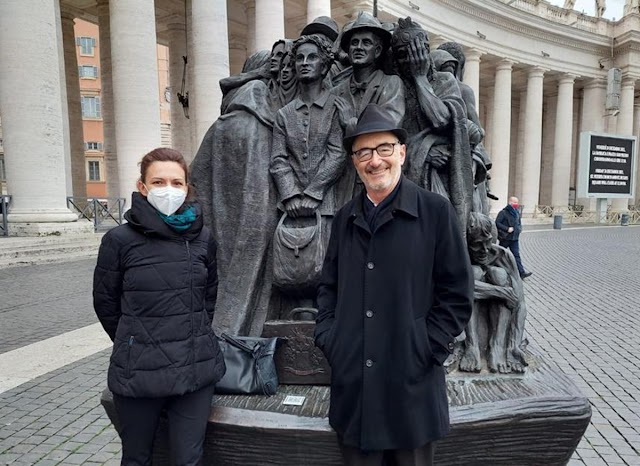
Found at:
<point>607,165</point>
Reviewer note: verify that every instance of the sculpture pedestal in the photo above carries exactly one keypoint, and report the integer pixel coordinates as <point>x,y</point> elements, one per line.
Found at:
<point>531,419</point>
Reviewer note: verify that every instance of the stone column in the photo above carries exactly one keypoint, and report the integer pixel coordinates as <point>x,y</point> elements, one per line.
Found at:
<point>135,86</point>
<point>210,61</point>
<point>180,131</point>
<point>522,115</point>
<point>237,54</point>
<point>513,146</point>
<point>251,27</point>
<point>33,118</point>
<point>317,8</point>
<point>74,108</point>
<point>472,72</point>
<point>532,141</point>
<point>487,121</point>
<point>501,134</point>
<point>549,110</point>
<point>269,23</point>
<point>190,84</point>
<point>625,128</point>
<point>106,92</point>
<point>561,176</point>
<point>636,132</point>
<point>594,97</point>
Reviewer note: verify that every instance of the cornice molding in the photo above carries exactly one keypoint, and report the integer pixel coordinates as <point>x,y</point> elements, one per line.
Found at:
<point>519,22</point>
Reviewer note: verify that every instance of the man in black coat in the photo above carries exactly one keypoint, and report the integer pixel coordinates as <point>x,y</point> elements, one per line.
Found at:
<point>509,226</point>
<point>396,289</point>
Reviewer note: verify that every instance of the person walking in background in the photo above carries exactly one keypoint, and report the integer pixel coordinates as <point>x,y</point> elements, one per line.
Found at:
<point>509,226</point>
<point>154,292</point>
<point>396,289</point>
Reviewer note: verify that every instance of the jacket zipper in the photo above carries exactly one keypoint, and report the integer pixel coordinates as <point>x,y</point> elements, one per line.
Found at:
<point>193,347</point>
<point>129,345</point>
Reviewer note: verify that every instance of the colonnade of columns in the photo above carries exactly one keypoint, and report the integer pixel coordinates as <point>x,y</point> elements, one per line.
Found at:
<point>517,170</point>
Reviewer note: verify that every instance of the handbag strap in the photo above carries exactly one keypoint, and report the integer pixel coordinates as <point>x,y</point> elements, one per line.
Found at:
<point>239,343</point>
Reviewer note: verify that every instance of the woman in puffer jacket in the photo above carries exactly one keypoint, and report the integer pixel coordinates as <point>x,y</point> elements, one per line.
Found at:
<point>154,292</point>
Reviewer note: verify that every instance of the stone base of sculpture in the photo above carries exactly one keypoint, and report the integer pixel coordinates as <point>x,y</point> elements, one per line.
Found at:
<point>528,419</point>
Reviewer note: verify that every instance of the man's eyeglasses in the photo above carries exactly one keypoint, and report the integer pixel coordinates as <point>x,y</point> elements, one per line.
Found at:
<point>385,149</point>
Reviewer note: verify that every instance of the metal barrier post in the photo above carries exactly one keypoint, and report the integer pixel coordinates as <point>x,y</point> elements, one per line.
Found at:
<point>557,222</point>
<point>95,214</point>
<point>4,210</point>
<point>624,220</point>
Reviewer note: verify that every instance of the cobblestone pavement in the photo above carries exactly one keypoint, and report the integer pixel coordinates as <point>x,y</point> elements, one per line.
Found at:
<point>584,313</point>
<point>56,419</point>
<point>42,301</point>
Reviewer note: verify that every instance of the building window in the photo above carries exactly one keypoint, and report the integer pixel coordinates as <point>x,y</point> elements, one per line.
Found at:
<point>91,107</point>
<point>88,71</point>
<point>93,167</point>
<point>87,44</point>
<point>92,145</point>
<point>3,173</point>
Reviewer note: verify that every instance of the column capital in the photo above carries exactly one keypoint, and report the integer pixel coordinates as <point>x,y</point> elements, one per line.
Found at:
<point>505,65</point>
<point>67,15</point>
<point>629,81</point>
<point>596,83</point>
<point>536,72</point>
<point>567,78</point>
<point>176,23</point>
<point>473,54</point>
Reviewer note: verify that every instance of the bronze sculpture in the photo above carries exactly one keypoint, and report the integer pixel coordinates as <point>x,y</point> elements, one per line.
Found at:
<point>439,154</point>
<point>499,311</point>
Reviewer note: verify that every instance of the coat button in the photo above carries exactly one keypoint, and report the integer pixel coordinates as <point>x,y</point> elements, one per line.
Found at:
<point>370,265</point>
<point>369,313</point>
<point>368,363</point>
<point>450,346</point>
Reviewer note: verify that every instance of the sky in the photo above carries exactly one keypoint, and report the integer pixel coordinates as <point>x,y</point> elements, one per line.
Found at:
<point>614,7</point>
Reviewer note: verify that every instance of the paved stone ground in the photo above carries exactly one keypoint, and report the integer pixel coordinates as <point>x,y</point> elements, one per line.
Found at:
<point>42,301</point>
<point>56,419</point>
<point>583,313</point>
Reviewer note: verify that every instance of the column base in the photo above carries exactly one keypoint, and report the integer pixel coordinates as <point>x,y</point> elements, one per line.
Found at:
<point>41,216</point>
<point>620,204</point>
<point>79,227</point>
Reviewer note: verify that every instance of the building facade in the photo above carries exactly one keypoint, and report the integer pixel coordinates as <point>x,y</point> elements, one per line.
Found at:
<point>539,72</point>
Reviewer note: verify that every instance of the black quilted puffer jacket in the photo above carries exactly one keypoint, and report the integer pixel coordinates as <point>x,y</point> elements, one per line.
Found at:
<point>154,291</point>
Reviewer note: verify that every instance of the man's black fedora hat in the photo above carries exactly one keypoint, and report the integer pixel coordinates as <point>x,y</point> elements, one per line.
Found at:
<point>373,119</point>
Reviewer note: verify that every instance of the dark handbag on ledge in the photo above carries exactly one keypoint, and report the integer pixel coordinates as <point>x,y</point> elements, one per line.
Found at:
<point>251,367</point>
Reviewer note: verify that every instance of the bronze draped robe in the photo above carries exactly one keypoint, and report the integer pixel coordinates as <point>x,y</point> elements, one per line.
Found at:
<point>456,176</point>
<point>231,174</point>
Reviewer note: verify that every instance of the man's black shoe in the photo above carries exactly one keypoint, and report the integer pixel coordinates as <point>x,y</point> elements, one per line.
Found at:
<point>525,275</point>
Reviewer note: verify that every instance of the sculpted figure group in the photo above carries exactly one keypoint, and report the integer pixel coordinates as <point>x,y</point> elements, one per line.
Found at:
<point>276,153</point>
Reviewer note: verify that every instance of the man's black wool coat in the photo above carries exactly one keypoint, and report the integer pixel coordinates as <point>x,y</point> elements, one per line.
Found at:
<point>390,304</point>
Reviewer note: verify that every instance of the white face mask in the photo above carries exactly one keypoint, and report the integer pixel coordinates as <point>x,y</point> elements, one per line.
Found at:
<point>166,199</point>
